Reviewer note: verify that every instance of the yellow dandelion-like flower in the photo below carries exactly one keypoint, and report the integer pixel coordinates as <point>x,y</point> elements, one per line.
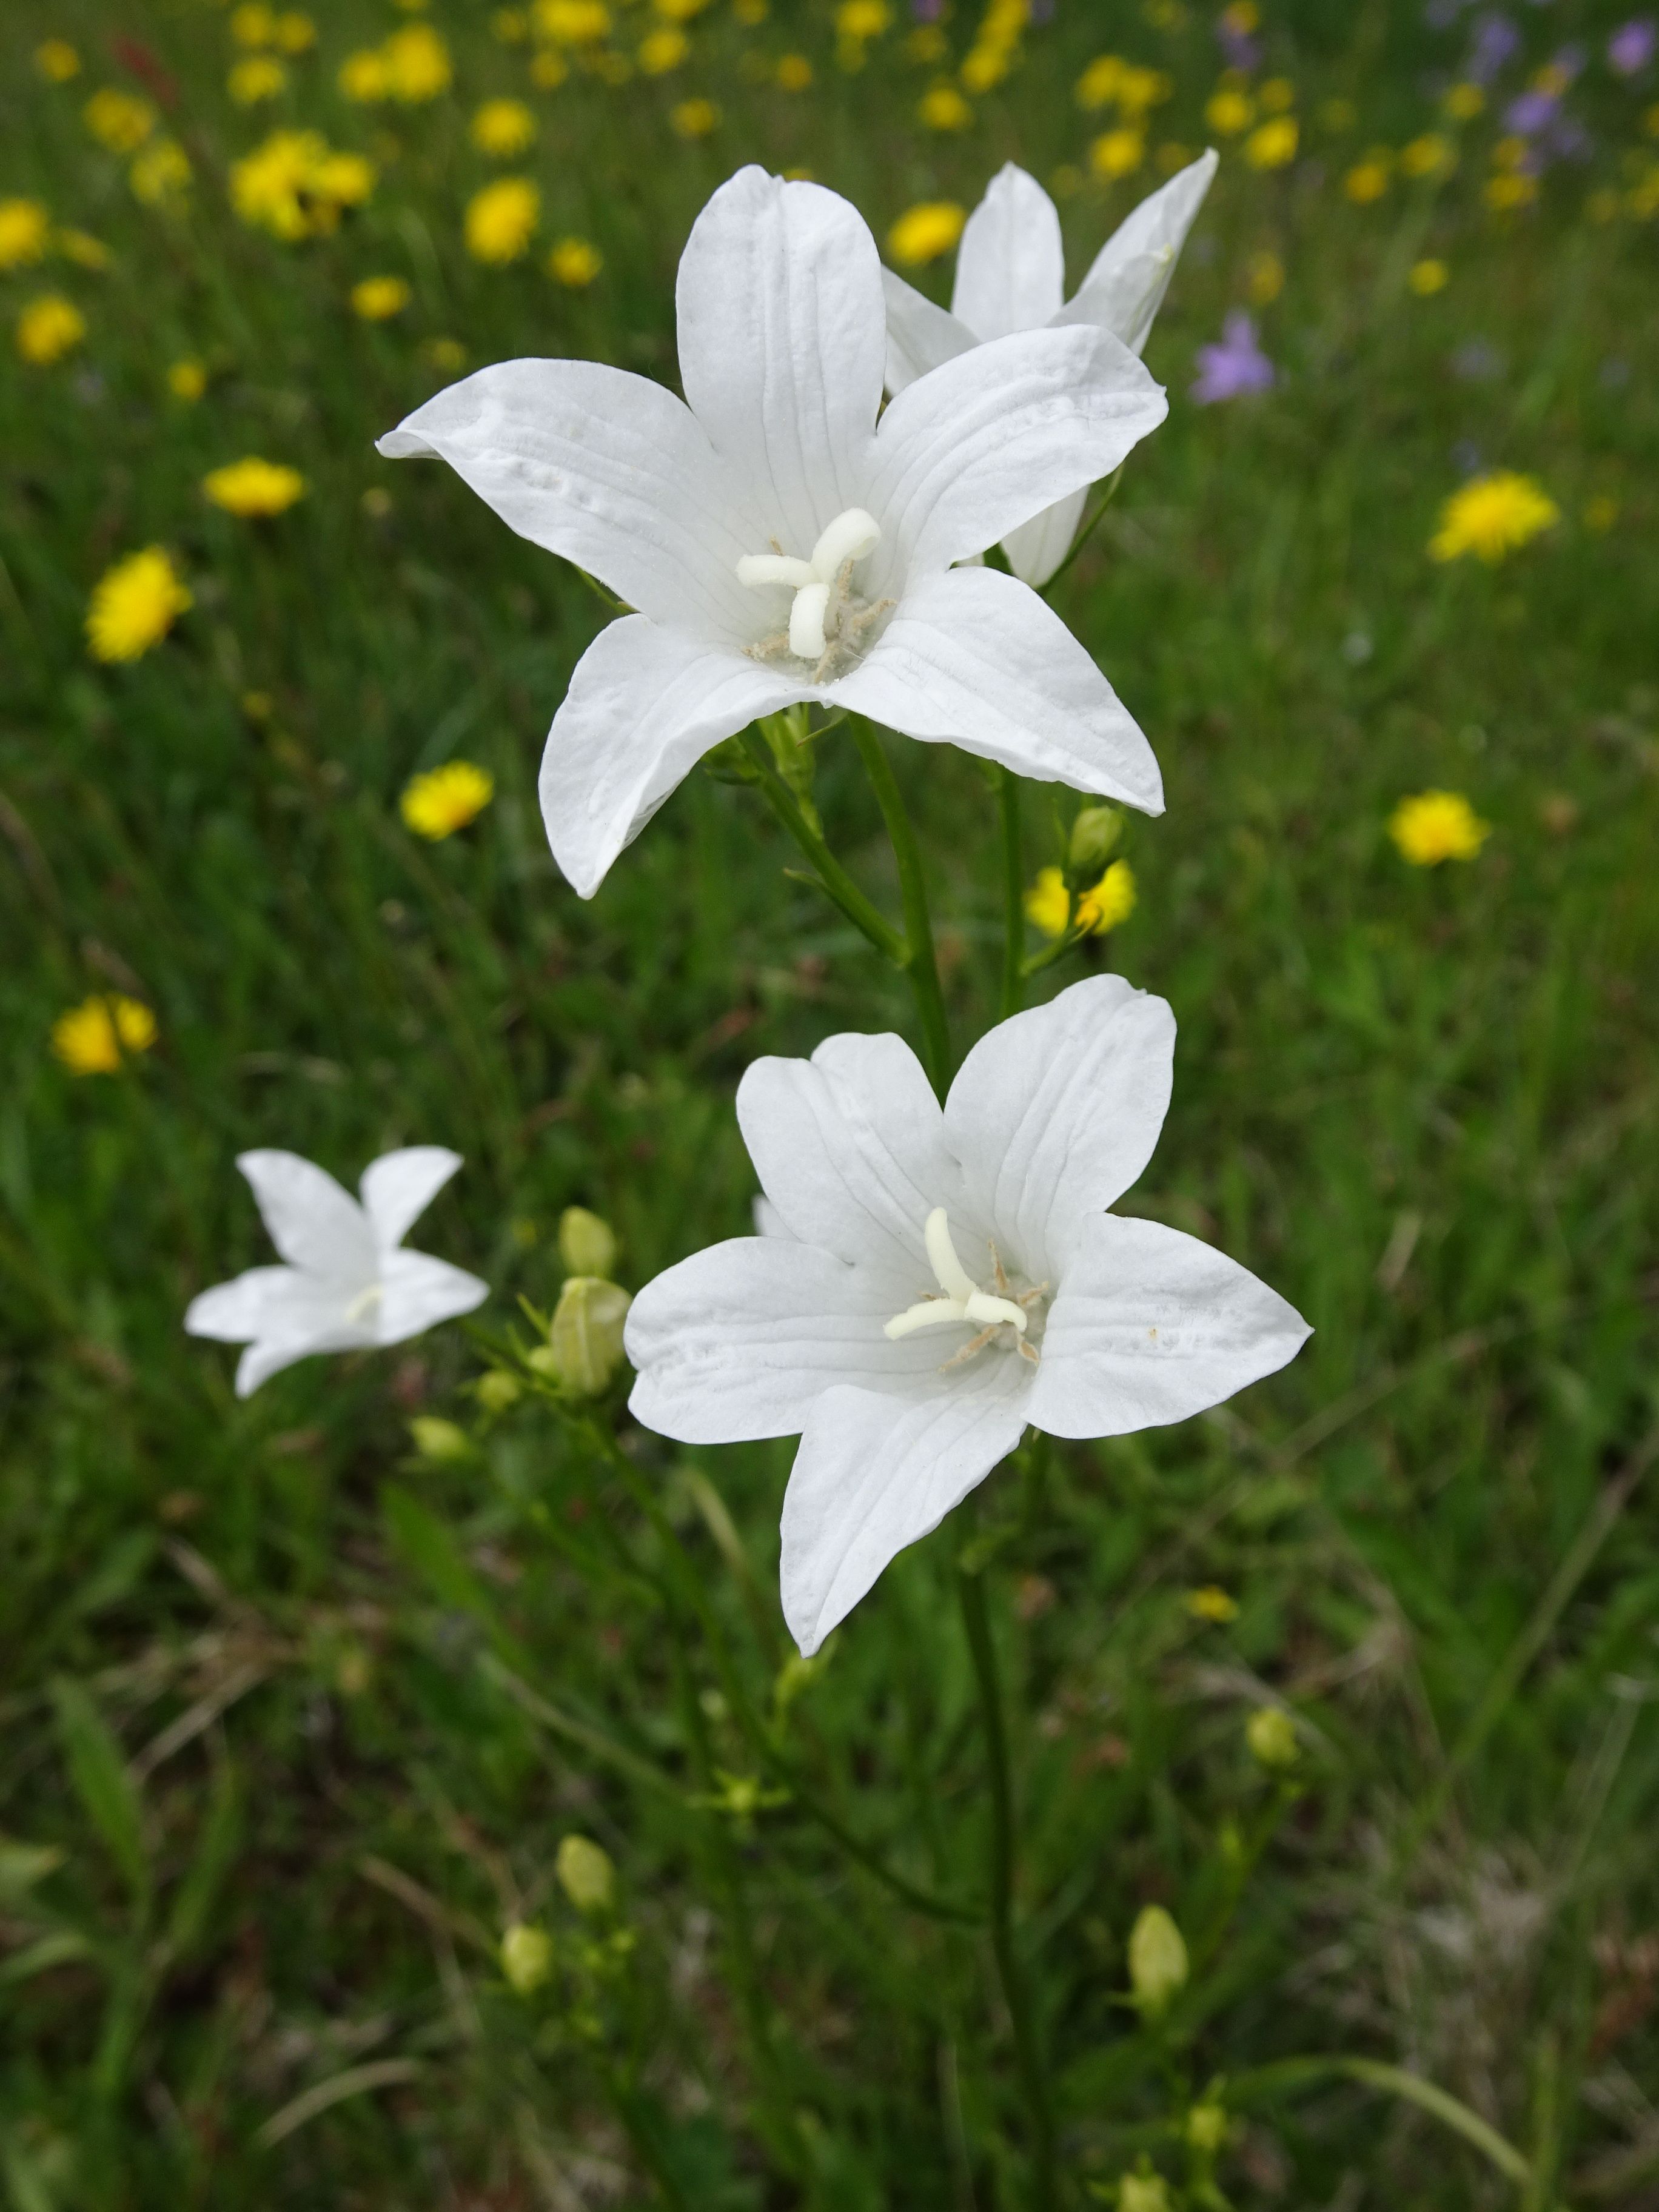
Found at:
<point>417,65</point>
<point>1427,277</point>
<point>942,107</point>
<point>253,24</point>
<point>1492,515</point>
<point>93,1038</point>
<point>1271,145</point>
<point>340,181</point>
<point>446,354</point>
<point>1463,102</point>
<point>501,220</point>
<point>1048,903</point>
<point>695,119</point>
<point>1097,86</point>
<point>575,262</point>
<point>446,798</point>
<point>679,11</point>
<point>377,299</point>
<point>81,247</point>
<point>502,128</point>
<point>48,328</point>
<point>1264,277</point>
<point>295,184</point>
<point>794,72</point>
<point>57,60</point>
<point>862,19</point>
<point>362,76</point>
<point>1435,826</point>
<point>1366,181</point>
<point>572,23</point>
<point>1513,188</point>
<point>187,380</point>
<point>1211,1603</point>
<point>259,77</point>
<point>1117,153</point>
<point>548,68</point>
<point>662,51</point>
<point>118,120</point>
<point>984,67</point>
<point>1141,89</point>
<point>1107,902</point>
<point>161,175</point>
<point>1241,17</point>
<point>134,605</point>
<point>1277,96</point>
<point>254,488</point>
<point>295,33</point>
<point>25,228</point>
<point>1229,110</point>
<point>922,232</point>
<point>1431,156</point>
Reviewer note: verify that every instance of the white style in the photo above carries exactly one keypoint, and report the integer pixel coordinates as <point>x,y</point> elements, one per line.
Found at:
<point>347,1284</point>
<point>1011,275</point>
<point>933,1279</point>
<point>781,544</point>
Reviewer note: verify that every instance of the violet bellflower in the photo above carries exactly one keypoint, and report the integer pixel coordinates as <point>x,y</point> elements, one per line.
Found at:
<point>347,1285</point>
<point>1011,275</point>
<point>939,1278</point>
<point>781,544</point>
<point>1235,367</point>
<point>1632,46</point>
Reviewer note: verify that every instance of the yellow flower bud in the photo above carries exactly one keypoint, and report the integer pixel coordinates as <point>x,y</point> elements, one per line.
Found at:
<point>526,1957</point>
<point>1158,1960</point>
<point>436,1438</point>
<point>497,1390</point>
<point>1143,2193</point>
<point>1206,2127</point>
<point>585,1339</point>
<point>1271,1734</point>
<point>1095,837</point>
<point>585,1874</point>
<point>587,1246</point>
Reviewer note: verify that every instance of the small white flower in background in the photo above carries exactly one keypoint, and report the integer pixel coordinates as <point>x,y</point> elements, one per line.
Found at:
<point>1011,275</point>
<point>781,544</point>
<point>931,1280</point>
<point>347,1284</point>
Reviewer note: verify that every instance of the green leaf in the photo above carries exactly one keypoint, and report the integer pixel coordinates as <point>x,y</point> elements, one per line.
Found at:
<point>430,1548</point>
<point>216,1853</point>
<point>102,1783</point>
<point>46,1951</point>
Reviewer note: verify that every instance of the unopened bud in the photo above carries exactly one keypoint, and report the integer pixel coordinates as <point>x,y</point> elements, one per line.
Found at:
<point>585,1874</point>
<point>1158,1960</point>
<point>526,1957</point>
<point>1095,836</point>
<point>1143,2193</point>
<point>436,1438</point>
<point>585,1339</point>
<point>497,1390</point>
<point>1206,2127</point>
<point>1271,1734</point>
<point>587,1246</point>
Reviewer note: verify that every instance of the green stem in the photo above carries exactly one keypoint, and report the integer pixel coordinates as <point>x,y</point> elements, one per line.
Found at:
<point>1050,953</point>
<point>1089,527</point>
<point>833,878</point>
<point>920,958</point>
<point>1013,894</point>
<point>1288,2075</point>
<point>970,1589</point>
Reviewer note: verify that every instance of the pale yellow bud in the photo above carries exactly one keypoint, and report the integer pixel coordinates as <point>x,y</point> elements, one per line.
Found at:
<point>1143,2193</point>
<point>435,1438</point>
<point>585,1339</point>
<point>527,1957</point>
<point>497,1390</point>
<point>1158,1960</point>
<point>1271,1734</point>
<point>585,1874</point>
<point>1095,836</point>
<point>1206,2127</point>
<point>587,1246</point>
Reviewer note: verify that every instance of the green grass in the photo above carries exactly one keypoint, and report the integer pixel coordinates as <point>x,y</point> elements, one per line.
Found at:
<point>1421,1104</point>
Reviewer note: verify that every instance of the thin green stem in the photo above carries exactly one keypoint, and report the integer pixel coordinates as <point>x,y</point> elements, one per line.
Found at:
<point>919,960</point>
<point>1286,2075</point>
<point>1028,2057</point>
<point>833,879</point>
<point>1089,527</point>
<point>1013,894</point>
<point>1050,953</point>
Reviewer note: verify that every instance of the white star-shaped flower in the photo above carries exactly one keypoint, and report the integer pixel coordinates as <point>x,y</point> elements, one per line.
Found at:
<point>781,544</point>
<point>1011,275</point>
<point>347,1284</point>
<point>936,1278</point>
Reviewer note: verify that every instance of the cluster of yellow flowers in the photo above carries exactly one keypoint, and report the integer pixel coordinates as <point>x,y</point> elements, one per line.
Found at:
<point>296,184</point>
<point>94,1037</point>
<point>123,123</point>
<point>1264,117</point>
<point>1098,909</point>
<point>445,799</point>
<point>1134,91</point>
<point>411,66</point>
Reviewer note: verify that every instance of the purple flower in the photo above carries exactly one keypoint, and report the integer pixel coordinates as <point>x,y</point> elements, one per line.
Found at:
<point>1496,40</point>
<point>927,11</point>
<point>1236,366</point>
<point>1630,48</point>
<point>1241,51</point>
<point>1528,115</point>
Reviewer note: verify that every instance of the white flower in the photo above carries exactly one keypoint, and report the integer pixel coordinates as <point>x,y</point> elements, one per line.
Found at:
<point>348,1284</point>
<point>940,1278</point>
<point>1011,275</point>
<point>781,544</point>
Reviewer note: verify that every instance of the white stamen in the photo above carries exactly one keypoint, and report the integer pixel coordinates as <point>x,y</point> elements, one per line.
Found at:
<point>848,538</point>
<point>952,1277</point>
<point>822,587</point>
<point>757,569</point>
<point>808,622</point>
<point>365,1303</point>
<point>963,1299</point>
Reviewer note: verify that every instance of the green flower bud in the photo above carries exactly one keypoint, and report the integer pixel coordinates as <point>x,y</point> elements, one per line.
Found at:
<point>497,1390</point>
<point>585,1339</point>
<point>585,1874</point>
<point>434,1438</point>
<point>587,1246</point>
<point>1143,2193</point>
<point>1095,837</point>
<point>527,1957</point>
<point>1206,2127</point>
<point>1158,1960</point>
<point>1271,1734</point>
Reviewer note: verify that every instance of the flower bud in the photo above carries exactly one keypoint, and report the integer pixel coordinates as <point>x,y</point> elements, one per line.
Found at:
<point>497,1390</point>
<point>587,1246</point>
<point>1271,1734</point>
<point>585,1874</point>
<point>527,1957</point>
<point>585,1339</point>
<point>436,1438</point>
<point>1206,2127</point>
<point>1143,2193</point>
<point>1095,835</point>
<point>1158,1960</point>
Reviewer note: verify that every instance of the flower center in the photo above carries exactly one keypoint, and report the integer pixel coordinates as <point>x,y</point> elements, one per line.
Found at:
<point>960,1298</point>
<point>365,1303</point>
<point>827,620</point>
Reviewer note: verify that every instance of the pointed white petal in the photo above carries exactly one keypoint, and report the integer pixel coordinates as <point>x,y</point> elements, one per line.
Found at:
<point>1124,289</point>
<point>417,1293</point>
<point>919,336</point>
<point>975,658</point>
<point>235,1312</point>
<point>874,1475</point>
<point>1055,1112</point>
<point>644,706</point>
<point>782,333</point>
<point>850,1148</point>
<point>399,1187</point>
<point>1037,549</point>
<point>1010,265</point>
<point>994,436</point>
<point>313,1224</point>
<point>607,469</point>
<point>1150,1326</point>
<point>267,1358</point>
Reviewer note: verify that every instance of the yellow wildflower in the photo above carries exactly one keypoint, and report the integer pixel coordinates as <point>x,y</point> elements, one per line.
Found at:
<point>161,175</point>
<point>295,184</point>
<point>187,380</point>
<point>253,24</point>
<point>1271,145</point>
<point>48,328</point>
<point>1509,152</point>
<point>1117,152</point>
<point>1242,17</point>
<point>1139,89</point>
<point>364,76</point>
<point>1463,102</point>
<point>446,354</point>
<point>573,22</point>
<point>25,227</point>
<point>1098,85</point>
<point>1431,156</point>
<point>1367,180</point>
<point>57,60</point>
<point>1271,1734</point>
<point>1048,903</point>
<point>922,232</point>
<point>445,799</point>
<point>1264,274</point>
<point>90,1039</point>
<point>295,34</point>
<point>695,119</point>
<point>1427,277</point>
<point>663,50</point>
<point>862,19</point>
<point>1277,96</point>
<point>548,68</point>
<point>1512,189</point>
<point>254,488</point>
<point>942,107</point>
<point>81,247</point>
<point>377,299</point>
<point>1211,1603</point>
<point>1435,826</point>
<point>120,120</point>
<point>679,11</point>
<point>927,44</point>
<point>575,262</point>
<point>502,128</point>
<point>794,72</point>
<point>1492,515</point>
<point>1107,902</point>
<point>501,219</point>
<point>134,605</point>
<point>984,67</point>
<point>418,65</point>
<point>259,77</point>
<point>1229,110</point>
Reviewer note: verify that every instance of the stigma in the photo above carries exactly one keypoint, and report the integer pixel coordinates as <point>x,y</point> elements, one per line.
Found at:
<point>960,1298</point>
<point>827,621</point>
